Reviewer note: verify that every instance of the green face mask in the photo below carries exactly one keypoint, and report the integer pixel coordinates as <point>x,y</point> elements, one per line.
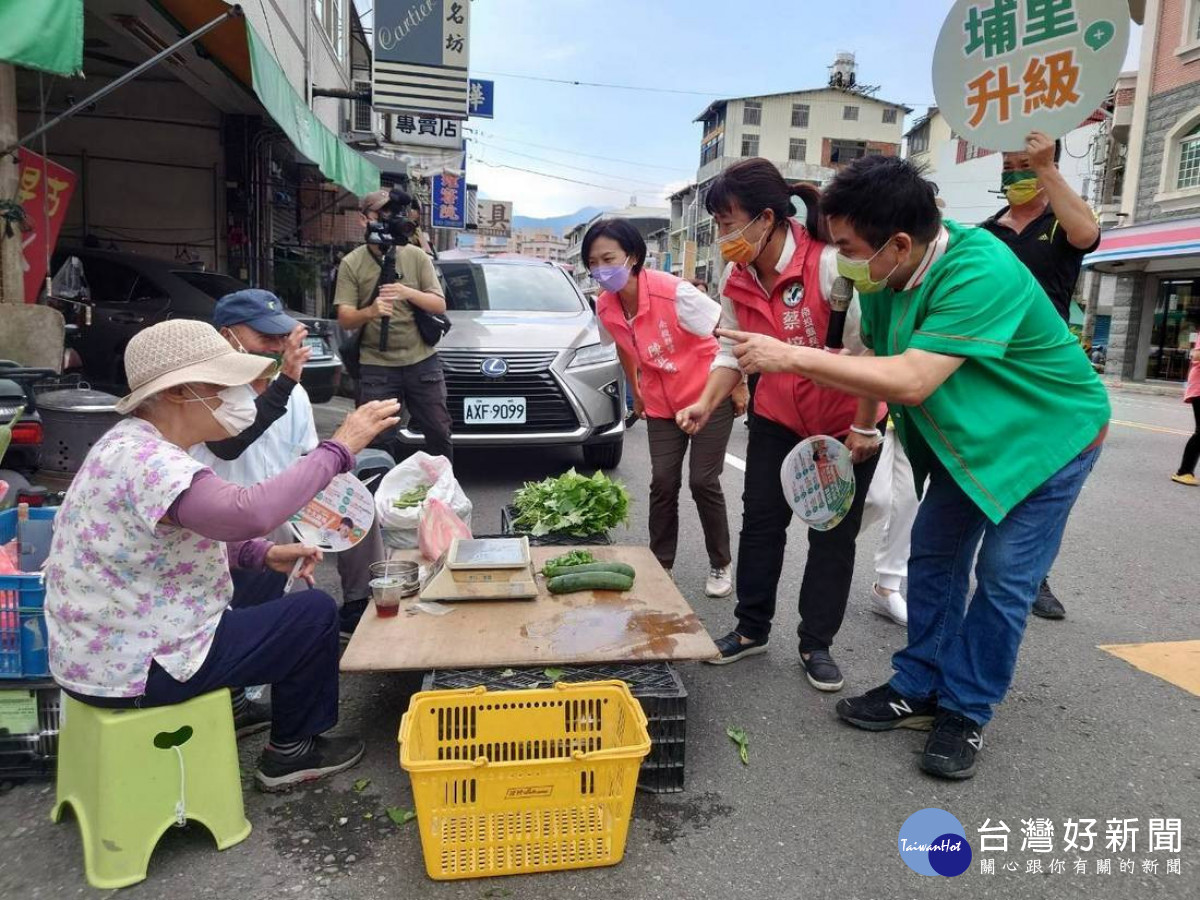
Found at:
<point>1020,186</point>
<point>859,271</point>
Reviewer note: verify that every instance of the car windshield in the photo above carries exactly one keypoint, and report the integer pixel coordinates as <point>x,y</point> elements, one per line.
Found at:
<point>214,284</point>
<point>475,287</point>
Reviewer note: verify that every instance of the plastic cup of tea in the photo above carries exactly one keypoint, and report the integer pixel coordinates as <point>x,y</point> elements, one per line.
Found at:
<point>387,596</point>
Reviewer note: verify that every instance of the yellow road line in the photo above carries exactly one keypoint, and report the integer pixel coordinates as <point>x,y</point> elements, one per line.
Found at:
<point>1175,661</point>
<point>1145,427</point>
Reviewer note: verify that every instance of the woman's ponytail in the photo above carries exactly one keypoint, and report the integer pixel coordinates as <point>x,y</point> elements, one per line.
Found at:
<point>810,196</point>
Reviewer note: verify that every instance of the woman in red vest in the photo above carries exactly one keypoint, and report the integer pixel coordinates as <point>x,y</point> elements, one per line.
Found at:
<point>777,281</point>
<point>663,329</point>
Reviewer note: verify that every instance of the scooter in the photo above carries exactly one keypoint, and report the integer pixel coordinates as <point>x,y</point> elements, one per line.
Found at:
<point>23,454</point>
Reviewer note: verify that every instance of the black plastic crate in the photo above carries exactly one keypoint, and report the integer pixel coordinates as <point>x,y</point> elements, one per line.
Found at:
<point>657,686</point>
<point>33,754</point>
<point>508,515</point>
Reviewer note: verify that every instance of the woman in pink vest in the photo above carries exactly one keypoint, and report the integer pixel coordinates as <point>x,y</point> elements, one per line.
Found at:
<point>663,329</point>
<point>777,281</point>
<point>1191,395</point>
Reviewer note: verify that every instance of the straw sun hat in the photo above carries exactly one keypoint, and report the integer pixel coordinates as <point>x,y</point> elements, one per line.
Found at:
<point>182,351</point>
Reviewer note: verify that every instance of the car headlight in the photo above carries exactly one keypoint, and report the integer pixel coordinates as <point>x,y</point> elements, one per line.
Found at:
<point>593,354</point>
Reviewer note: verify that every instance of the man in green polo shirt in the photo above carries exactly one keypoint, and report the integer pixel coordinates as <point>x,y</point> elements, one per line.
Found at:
<point>994,401</point>
<point>409,370</point>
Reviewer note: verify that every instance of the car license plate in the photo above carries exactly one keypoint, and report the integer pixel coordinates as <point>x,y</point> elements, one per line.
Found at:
<point>317,345</point>
<point>494,410</point>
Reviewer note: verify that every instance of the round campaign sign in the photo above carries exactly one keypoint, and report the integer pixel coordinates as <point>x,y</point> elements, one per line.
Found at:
<point>338,517</point>
<point>1004,68</point>
<point>818,481</point>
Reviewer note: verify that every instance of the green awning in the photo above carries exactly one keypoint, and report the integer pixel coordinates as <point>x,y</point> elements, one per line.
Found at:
<point>337,161</point>
<point>45,35</point>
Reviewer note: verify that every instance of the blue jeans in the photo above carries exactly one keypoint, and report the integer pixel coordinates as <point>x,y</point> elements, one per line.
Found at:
<point>965,654</point>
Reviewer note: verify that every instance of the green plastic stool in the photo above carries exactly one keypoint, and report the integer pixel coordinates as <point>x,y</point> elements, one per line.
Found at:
<point>131,774</point>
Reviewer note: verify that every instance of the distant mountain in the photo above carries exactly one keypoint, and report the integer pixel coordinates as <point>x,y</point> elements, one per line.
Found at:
<point>558,224</point>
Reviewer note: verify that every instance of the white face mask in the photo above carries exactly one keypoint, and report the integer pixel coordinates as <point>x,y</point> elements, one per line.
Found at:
<point>236,412</point>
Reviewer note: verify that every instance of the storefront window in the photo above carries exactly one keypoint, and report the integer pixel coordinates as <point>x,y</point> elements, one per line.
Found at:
<point>1176,322</point>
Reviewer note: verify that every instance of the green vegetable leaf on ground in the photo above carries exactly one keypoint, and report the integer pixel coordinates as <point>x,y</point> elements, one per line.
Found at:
<point>400,816</point>
<point>553,674</point>
<point>738,736</point>
<point>361,785</point>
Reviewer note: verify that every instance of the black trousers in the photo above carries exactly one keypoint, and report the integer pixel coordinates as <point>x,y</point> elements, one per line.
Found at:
<point>1192,451</point>
<point>766,515</point>
<point>290,643</point>
<point>422,388</point>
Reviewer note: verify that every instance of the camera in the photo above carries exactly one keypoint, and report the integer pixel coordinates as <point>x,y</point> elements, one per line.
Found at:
<point>393,228</point>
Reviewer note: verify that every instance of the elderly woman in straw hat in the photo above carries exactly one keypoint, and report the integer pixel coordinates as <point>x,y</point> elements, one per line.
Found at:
<point>138,585</point>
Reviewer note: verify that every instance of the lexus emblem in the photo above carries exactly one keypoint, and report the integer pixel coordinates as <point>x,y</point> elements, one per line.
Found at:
<point>494,367</point>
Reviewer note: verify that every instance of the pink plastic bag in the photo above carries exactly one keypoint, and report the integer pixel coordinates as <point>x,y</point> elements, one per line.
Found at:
<point>438,528</point>
<point>8,558</point>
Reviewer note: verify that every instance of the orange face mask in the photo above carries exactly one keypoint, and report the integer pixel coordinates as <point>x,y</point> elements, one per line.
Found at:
<point>736,249</point>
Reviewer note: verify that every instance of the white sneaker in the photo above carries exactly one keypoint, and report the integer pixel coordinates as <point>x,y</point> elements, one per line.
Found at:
<point>719,584</point>
<point>890,606</point>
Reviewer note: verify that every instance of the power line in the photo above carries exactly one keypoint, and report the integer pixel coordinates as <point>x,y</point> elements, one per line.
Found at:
<point>655,184</point>
<point>602,187</point>
<point>657,90</point>
<point>601,84</point>
<point>629,162</point>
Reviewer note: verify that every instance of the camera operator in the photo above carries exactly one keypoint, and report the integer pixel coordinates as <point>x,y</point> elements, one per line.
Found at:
<point>404,367</point>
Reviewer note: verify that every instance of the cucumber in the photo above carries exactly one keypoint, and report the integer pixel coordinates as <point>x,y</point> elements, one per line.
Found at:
<point>619,568</point>
<point>590,581</point>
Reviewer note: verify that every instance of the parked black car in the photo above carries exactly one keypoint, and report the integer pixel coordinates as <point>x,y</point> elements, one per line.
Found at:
<point>131,292</point>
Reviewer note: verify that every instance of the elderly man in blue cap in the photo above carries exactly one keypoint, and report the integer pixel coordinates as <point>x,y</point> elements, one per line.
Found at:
<point>254,321</point>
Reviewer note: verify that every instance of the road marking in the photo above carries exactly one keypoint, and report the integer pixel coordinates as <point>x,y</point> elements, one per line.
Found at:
<point>1175,661</point>
<point>736,461</point>
<point>1157,428</point>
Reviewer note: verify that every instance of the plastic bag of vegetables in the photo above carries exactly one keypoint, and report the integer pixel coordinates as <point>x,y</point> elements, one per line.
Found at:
<point>404,491</point>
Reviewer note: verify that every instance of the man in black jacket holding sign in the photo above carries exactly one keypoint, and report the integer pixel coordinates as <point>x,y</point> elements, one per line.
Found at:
<point>408,369</point>
<point>1051,229</point>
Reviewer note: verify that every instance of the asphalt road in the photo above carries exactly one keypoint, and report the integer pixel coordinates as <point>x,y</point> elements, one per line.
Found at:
<point>817,811</point>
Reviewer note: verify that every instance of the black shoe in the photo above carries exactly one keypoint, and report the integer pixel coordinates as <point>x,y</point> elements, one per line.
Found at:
<point>732,649</point>
<point>631,419</point>
<point>350,614</point>
<point>823,673</point>
<point>327,756</point>
<point>883,708</point>
<point>254,717</point>
<point>1046,605</point>
<point>951,747</point>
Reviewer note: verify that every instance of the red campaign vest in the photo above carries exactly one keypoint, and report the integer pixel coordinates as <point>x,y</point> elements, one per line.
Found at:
<point>673,362</point>
<point>791,400</point>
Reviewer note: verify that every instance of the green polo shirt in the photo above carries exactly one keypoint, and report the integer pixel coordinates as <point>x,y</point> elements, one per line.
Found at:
<point>1025,401</point>
<point>357,274</point>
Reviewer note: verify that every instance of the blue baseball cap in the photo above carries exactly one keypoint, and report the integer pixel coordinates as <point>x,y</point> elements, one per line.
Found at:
<point>259,309</point>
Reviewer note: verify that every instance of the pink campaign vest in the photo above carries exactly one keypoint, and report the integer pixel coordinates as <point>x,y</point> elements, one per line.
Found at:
<point>798,313</point>
<point>1192,390</point>
<point>673,362</point>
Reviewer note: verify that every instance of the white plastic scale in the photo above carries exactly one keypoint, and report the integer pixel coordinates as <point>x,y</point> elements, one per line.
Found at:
<point>484,569</point>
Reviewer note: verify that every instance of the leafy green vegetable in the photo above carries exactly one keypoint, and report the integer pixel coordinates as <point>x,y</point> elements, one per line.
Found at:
<point>738,736</point>
<point>412,497</point>
<point>571,504</point>
<point>361,785</point>
<point>400,816</point>
<point>553,674</point>
<point>574,558</point>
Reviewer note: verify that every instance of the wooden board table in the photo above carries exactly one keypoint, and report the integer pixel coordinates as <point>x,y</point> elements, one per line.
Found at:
<point>652,622</point>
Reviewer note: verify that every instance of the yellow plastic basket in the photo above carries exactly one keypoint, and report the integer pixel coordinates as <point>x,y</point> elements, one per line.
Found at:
<point>514,782</point>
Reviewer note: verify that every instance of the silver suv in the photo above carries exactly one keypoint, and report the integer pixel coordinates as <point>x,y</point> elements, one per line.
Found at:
<point>524,363</point>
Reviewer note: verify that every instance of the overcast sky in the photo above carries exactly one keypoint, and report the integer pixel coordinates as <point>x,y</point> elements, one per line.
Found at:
<point>643,143</point>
